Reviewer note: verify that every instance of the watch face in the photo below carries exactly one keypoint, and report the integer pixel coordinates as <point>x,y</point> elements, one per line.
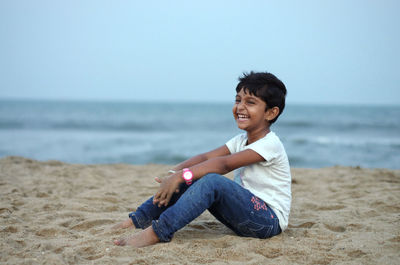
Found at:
<point>187,175</point>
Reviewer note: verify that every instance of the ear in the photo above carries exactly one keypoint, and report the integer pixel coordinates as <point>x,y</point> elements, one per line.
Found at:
<point>271,113</point>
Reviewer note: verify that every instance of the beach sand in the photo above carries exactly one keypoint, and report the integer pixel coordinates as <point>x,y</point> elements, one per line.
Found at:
<point>57,213</point>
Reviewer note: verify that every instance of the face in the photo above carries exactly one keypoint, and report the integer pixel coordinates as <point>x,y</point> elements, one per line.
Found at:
<point>249,112</point>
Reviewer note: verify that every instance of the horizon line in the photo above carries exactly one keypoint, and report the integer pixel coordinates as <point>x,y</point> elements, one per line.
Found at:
<point>189,101</point>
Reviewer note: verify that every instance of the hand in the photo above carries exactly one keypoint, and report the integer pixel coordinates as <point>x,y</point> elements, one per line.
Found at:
<point>159,180</point>
<point>168,186</point>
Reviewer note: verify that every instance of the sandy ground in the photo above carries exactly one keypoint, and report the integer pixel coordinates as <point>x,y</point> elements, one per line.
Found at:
<point>56,213</point>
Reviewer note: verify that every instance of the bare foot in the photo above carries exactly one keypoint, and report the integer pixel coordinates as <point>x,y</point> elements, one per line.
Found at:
<point>125,224</point>
<point>144,238</point>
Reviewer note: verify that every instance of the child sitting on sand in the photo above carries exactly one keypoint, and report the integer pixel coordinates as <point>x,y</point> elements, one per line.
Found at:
<point>255,204</point>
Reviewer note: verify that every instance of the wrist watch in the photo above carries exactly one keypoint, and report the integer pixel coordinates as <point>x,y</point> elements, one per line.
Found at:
<point>187,176</point>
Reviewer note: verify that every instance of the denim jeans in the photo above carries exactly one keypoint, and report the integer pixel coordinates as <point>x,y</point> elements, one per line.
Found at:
<point>230,203</point>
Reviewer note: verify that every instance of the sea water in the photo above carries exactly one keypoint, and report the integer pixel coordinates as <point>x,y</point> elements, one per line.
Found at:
<point>140,133</point>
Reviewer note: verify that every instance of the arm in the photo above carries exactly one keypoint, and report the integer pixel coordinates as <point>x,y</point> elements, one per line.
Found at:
<point>174,181</point>
<point>220,151</point>
<point>220,165</point>
<point>224,164</point>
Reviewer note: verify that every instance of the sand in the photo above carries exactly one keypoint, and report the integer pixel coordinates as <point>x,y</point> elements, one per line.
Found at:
<point>57,213</point>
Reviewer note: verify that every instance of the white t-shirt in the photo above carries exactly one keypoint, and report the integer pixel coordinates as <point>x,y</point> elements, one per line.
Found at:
<point>269,180</point>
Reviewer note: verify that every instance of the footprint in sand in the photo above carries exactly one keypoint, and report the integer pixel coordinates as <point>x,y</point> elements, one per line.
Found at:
<point>40,194</point>
<point>113,208</point>
<point>5,212</point>
<point>355,227</point>
<point>197,226</point>
<point>356,253</point>
<point>270,253</point>
<point>330,207</point>
<point>89,224</point>
<point>333,228</point>
<point>303,225</point>
<point>50,232</point>
<point>90,253</point>
<point>10,229</point>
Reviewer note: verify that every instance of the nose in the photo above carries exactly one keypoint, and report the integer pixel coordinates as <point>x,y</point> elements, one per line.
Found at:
<point>240,105</point>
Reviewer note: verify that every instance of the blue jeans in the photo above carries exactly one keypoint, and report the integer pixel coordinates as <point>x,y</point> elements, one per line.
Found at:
<point>229,202</point>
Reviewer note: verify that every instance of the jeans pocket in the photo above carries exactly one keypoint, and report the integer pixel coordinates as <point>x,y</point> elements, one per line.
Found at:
<point>252,229</point>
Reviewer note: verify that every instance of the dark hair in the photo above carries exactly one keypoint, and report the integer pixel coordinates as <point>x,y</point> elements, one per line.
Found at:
<point>265,86</point>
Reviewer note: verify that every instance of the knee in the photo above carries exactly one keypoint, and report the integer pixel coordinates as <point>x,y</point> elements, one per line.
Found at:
<point>211,179</point>
<point>211,184</point>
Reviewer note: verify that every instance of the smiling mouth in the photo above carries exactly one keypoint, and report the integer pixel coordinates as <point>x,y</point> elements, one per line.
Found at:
<point>242,116</point>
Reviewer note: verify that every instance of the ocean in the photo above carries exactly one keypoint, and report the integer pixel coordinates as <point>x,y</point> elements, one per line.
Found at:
<point>140,133</point>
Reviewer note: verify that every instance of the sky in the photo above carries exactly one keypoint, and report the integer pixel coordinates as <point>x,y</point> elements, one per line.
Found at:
<point>326,52</point>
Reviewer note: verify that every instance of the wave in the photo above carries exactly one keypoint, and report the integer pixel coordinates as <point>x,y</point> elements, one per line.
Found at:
<point>76,125</point>
<point>340,125</point>
<point>297,124</point>
<point>168,123</point>
<point>123,126</point>
<point>341,141</point>
<point>101,126</point>
<point>368,125</point>
<point>11,125</point>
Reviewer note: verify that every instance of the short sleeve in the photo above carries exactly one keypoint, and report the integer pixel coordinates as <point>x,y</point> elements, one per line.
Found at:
<point>267,147</point>
<point>234,143</point>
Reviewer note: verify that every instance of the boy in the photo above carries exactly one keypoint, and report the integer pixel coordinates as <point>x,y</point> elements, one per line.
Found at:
<point>256,203</point>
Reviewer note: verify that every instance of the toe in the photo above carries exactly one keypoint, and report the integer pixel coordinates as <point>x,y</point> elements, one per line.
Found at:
<point>119,242</point>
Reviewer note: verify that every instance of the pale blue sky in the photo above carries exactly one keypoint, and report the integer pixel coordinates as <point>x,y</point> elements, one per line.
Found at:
<point>324,51</point>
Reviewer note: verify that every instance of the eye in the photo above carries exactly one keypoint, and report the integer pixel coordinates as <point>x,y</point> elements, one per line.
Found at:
<point>251,102</point>
<point>237,100</point>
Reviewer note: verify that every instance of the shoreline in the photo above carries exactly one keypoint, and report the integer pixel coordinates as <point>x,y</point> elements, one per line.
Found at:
<point>54,212</point>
